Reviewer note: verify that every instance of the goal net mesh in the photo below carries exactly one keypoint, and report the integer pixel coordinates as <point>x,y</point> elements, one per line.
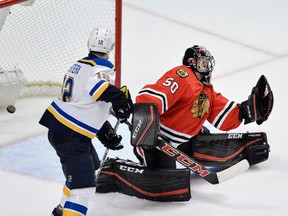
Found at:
<point>45,39</point>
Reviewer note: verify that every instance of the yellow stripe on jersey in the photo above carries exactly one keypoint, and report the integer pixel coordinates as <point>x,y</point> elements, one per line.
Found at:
<point>91,62</point>
<point>68,212</point>
<point>100,90</point>
<point>66,191</point>
<point>70,125</point>
<point>75,208</point>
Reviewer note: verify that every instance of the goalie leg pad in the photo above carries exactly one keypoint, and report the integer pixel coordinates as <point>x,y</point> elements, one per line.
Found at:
<point>229,148</point>
<point>130,178</point>
<point>257,153</point>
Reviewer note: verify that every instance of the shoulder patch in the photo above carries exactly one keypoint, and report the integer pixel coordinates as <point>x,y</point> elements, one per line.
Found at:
<point>104,76</point>
<point>182,73</point>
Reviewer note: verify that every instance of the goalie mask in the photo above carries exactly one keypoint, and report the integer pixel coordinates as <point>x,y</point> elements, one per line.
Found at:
<point>101,40</point>
<point>200,60</point>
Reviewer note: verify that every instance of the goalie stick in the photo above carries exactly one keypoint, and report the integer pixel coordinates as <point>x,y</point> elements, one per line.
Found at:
<point>188,162</point>
<point>201,170</point>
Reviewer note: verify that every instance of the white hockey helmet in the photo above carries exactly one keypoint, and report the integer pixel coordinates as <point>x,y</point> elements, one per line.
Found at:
<point>101,40</point>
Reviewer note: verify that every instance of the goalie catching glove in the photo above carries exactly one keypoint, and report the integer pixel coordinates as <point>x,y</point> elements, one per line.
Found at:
<point>259,104</point>
<point>109,138</point>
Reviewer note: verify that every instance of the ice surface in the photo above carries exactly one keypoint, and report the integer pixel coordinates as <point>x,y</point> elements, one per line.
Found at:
<point>247,39</point>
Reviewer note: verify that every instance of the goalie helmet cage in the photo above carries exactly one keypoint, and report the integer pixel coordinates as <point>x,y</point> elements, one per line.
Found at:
<point>43,38</point>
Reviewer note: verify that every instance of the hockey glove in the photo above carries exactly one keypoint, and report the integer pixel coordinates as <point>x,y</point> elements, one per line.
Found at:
<point>259,105</point>
<point>109,138</point>
<point>124,107</point>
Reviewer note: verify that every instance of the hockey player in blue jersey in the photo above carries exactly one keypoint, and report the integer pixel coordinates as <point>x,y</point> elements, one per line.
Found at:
<point>88,94</point>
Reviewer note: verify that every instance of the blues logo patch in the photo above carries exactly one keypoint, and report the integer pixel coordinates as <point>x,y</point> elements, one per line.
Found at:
<point>102,75</point>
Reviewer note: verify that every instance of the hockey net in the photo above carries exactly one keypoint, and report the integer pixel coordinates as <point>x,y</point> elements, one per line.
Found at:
<point>41,39</point>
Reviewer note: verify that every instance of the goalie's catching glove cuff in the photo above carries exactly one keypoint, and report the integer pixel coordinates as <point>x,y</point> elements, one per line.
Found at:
<point>109,138</point>
<point>248,110</point>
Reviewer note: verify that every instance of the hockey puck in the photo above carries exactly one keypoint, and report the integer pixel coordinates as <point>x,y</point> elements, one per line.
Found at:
<point>11,109</point>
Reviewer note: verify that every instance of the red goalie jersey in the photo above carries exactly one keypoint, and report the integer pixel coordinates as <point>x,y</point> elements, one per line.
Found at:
<point>184,104</point>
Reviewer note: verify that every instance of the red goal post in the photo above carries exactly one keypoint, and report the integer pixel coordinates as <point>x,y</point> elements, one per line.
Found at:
<point>44,39</point>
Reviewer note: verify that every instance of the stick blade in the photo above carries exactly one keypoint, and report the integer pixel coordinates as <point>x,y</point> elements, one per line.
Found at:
<point>232,171</point>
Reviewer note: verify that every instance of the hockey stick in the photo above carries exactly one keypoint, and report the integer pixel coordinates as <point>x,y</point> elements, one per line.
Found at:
<point>106,152</point>
<point>201,170</point>
<point>205,173</point>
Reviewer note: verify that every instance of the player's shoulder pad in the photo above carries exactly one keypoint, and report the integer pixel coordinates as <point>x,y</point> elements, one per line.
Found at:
<point>94,61</point>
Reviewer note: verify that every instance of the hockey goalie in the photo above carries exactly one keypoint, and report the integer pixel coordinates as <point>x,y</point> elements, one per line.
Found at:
<point>167,127</point>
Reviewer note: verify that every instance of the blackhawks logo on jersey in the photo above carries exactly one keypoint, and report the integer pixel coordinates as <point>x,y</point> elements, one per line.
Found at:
<point>200,106</point>
<point>182,73</point>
